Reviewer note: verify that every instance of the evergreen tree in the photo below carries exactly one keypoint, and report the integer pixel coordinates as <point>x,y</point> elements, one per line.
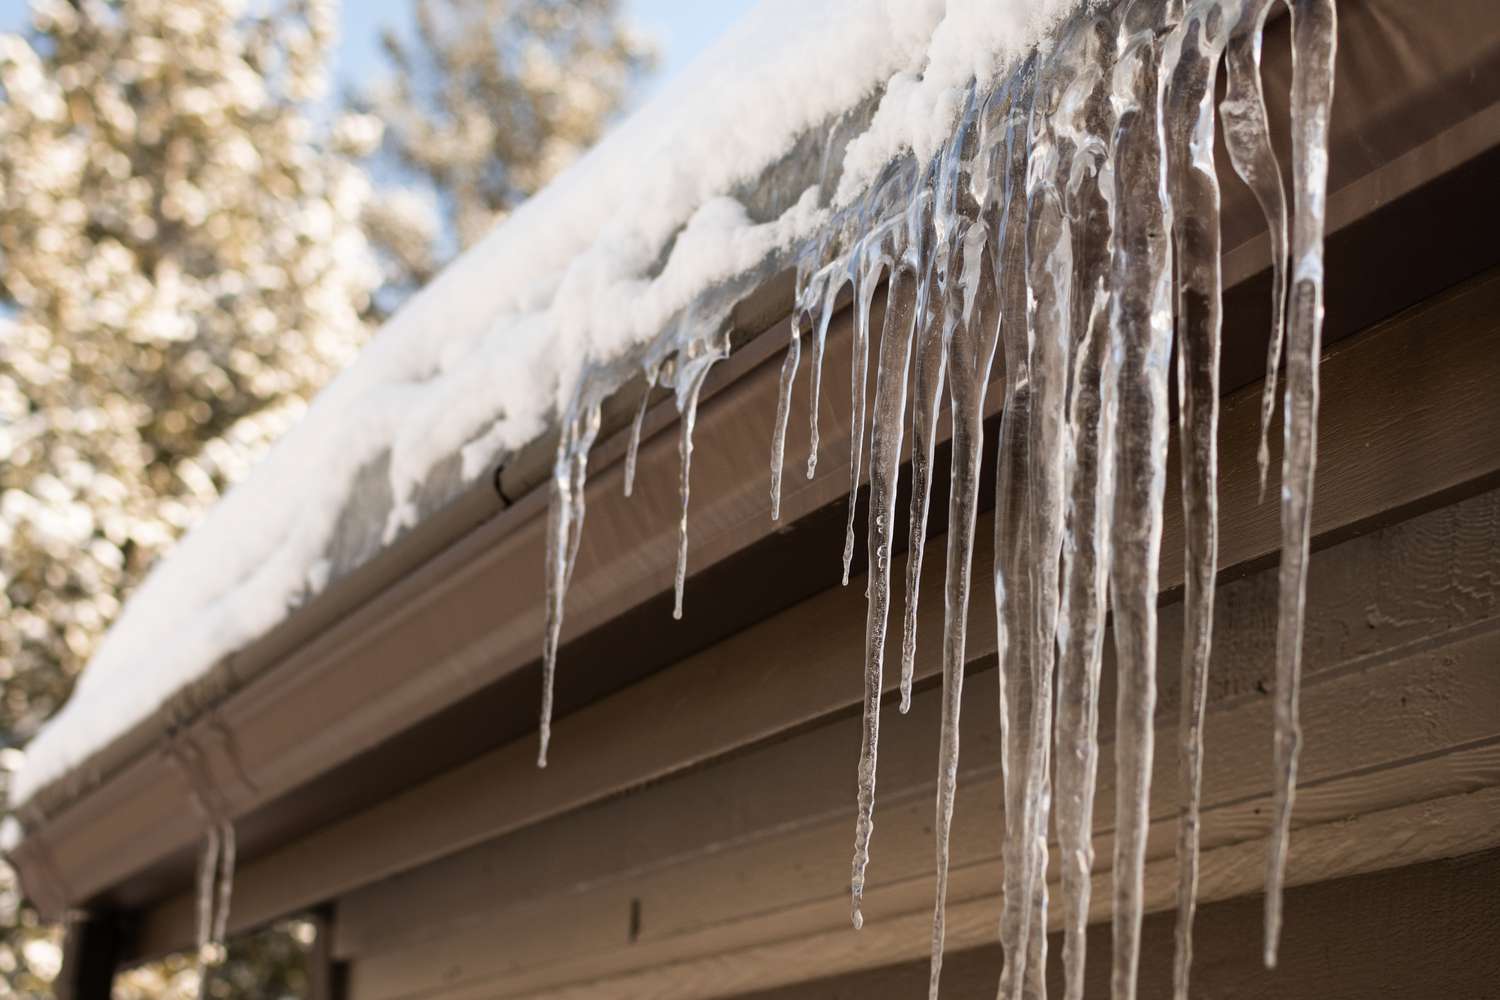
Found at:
<point>181,267</point>
<point>487,101</point>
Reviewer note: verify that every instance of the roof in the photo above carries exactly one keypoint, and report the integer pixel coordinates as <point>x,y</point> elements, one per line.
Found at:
<point>657,229</point>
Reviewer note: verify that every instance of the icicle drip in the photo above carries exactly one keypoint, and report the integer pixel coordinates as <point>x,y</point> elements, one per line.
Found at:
<point>1141,332</point>
<point>1198,44</point>
<point>1013,605</point>
<point>892,369</point>
<point>967,287</point>
<point>207,898</point>
<point>1049,272</point>
<point>872,260</point>
<point>1247,137</point>
<point>227,853</point>
<point>834,278</point>
<point>1086,120</point>
<point>784,411</point>
<point>935,333</point>
<point>214,882</point>
<point>931,362</point>
<point>564,533</point>
<point>1314,38</point>
<point>634,447</point>
<point>688,383</point>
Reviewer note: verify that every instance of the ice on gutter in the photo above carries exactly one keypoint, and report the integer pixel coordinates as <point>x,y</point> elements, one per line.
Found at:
<point>593,269</point>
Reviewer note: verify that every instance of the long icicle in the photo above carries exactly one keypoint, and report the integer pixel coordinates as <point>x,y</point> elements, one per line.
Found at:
<point>1087,118</point>
<point>1141,331</point>
<point>1314,40</point>
<point>885,463</point>
<point>1049,273</point>
<point>930,363</point>
<point>1012,532</point>
<point>564,532</point>
<point>867,279</point>
<point>971,332</point>
<point>1194,189</point>
<point>1247,137</point>
<point>833,282</point>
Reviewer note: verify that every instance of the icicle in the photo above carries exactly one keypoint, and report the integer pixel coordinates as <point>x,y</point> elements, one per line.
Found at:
<point>1049,271</point>
<point>564,534</point>
<point>872,261</point>
<point>835,276</point>
<point>891,373</point>
<point>1141,331</point>
<point>214,882</point>
<point>1247,137</point>
<point>1012,529</point>
<point>227,851</point>
<point>784,412</point>
<point>634,447</point>
<point>970,332</point>
<point>1314,39</point>
<point>688,384</point>
<point>930,362</point>
<point>208,873</point>
<point>1086,120</point>
<point>1194,188</point>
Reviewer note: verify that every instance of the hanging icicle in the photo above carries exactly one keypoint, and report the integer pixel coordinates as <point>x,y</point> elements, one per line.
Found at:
<point>214,882</point>
<point>691,370</point>
<point>1314,38</point>
<point>874,256</point>
<point>633,448</point>
<point>1141,331</point>
<point>564,532</point>
<point>1193,61</point>
<point>1085,119</point>
<point>1012,530</point>
<point>970,329</point>
<point>1247,137</point>
<point>1070,223</point>
<point>891,372</point>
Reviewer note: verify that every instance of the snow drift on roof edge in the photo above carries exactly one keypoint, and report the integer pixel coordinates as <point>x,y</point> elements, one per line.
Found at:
<point>487,363</point>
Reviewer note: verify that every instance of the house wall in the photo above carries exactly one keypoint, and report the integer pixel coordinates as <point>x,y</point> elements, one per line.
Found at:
<point>725,872</point>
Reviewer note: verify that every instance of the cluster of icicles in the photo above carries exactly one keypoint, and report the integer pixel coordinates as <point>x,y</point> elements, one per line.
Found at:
<point>1071,225</point>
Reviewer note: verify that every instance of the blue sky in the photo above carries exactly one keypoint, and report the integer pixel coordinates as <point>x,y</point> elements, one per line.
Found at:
<point>681,27</point>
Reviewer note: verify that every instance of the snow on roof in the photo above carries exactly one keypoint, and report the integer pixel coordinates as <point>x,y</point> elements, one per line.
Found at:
<point>484,358</point>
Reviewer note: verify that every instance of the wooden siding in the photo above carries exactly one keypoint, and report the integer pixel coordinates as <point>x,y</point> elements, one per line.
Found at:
<point>618,873</point>
<point>1427,932</point>
<point>734,876</point>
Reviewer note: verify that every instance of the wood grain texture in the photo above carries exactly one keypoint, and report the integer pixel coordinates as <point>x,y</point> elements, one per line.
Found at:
<point>1402,705</point>
<point>1425,932</point>
<point>1413,606</point>
<point>1451,827</point>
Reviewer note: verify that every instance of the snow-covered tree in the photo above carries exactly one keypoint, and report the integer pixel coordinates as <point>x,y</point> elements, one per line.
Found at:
<point>181,266</point>
<point>487,100</point>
